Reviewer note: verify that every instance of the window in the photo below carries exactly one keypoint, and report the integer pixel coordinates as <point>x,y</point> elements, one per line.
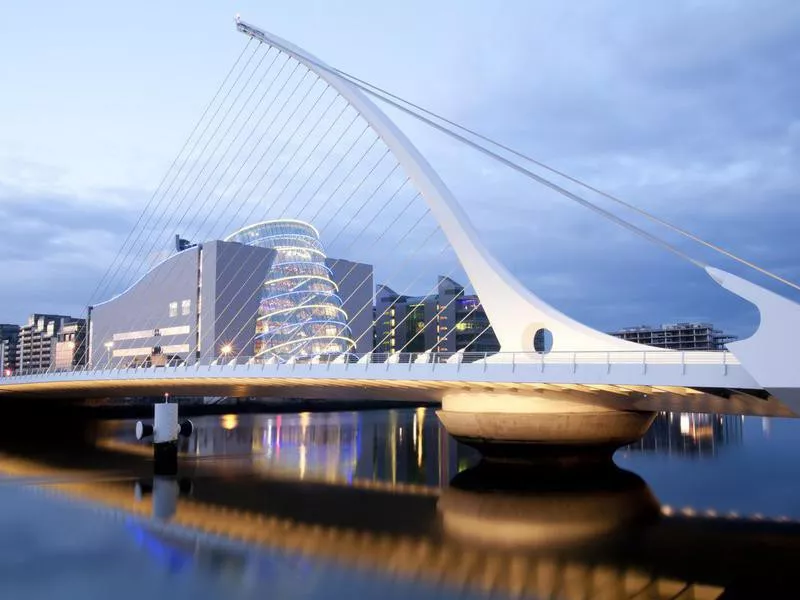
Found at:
<point>173,309</point>
<point>186,306</point>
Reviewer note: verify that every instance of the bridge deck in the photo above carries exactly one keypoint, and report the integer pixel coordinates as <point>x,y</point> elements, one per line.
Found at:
<point>648,381</point>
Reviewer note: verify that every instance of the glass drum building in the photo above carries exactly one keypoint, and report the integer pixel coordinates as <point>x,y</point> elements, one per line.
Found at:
<point>301,314</point>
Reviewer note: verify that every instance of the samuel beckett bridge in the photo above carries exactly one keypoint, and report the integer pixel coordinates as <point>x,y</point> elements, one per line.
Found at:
<point>292,163</point>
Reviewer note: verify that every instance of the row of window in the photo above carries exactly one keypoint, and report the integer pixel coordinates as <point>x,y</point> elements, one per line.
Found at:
<point>186,308</point>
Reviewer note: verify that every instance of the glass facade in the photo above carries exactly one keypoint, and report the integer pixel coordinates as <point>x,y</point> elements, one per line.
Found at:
<point>301,314</point>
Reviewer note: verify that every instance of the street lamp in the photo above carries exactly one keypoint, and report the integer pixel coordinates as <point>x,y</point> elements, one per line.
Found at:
<point>109,346</point>
<point>226,349</point>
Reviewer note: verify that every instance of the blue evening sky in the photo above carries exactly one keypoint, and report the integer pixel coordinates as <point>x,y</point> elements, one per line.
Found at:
<point>689,109</point>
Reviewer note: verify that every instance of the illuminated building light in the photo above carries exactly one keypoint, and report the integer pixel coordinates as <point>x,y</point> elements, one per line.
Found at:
<point>300,316</point>
<point>304,340</point>
<point>305,306</point>
<point>303,278</point>
<point>277,329</point>
<point>325,293</point>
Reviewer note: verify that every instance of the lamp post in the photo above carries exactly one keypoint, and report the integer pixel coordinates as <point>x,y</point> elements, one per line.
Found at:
<point>226,350</point>
<point>108,346</point>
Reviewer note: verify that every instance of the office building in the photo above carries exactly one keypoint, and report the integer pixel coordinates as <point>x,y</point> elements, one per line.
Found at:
<point>70,347</point>
<point>355,283</point>
<point>448,321</point>
<point>9,337</point>
<point>402,322</point>
<point>301,314</point>
<point>200,303</point>
<point>677,336</point>
<point>36,346</point>
<point>267,291</point>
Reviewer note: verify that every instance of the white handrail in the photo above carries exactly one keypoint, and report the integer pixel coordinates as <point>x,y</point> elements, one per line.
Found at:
<point>573,359</point>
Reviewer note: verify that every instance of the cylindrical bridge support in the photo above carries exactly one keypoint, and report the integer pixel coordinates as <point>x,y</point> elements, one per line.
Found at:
<point>165,431</point>
<point>547,427</point>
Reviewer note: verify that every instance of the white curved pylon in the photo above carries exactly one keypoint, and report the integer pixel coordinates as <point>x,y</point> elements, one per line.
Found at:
<point>514,311</point>
<point>770,355</point>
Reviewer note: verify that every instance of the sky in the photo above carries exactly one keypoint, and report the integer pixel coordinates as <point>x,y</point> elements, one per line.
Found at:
<point>687,109</point>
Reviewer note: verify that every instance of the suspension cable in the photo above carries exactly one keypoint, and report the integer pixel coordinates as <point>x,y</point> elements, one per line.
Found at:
<point>644,213</point>
<point>411,109</point>
<point>168,171</point>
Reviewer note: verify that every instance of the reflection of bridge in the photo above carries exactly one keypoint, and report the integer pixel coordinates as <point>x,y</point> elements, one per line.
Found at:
<point>562,535</point>
<point>556,381</point>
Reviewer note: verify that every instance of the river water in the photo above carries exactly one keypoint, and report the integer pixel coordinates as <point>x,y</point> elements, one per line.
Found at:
<point>384,504</point>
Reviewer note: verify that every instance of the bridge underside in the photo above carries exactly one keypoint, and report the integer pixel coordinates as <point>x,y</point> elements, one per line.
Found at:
<point>614,397</point>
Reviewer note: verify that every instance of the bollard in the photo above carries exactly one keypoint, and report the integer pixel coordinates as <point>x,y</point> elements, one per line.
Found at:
<point>165,431</point>
<point>165,439</point>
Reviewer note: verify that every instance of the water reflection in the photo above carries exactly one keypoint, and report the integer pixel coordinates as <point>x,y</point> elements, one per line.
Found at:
<point>388,493</point>
<point>403,446</point>
<point>690,434</point>
<point>518,507</point>
<point>499,530</point>
<point>396,446</point>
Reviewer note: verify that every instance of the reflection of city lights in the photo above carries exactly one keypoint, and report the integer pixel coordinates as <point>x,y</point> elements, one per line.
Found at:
<point>305,419</point>
<point>689,433</point>
<point>229,422</point>
<point>419,422</point>
<point>686,424</point>
<point>696,426</point>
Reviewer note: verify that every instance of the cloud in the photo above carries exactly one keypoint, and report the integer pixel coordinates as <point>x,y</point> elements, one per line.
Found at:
<point>55,249</point>
<point>686,109</point>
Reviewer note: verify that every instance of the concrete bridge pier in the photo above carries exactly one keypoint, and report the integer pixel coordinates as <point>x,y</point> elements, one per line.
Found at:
<point>546,427</point>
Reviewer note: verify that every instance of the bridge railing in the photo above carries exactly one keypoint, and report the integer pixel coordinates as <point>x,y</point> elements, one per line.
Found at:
<point>644,358</point>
